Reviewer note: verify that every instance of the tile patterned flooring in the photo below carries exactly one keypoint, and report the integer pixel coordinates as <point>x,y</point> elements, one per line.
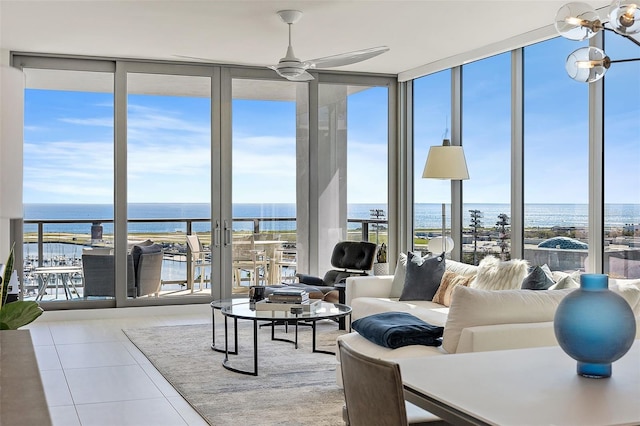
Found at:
<point>93,375</point>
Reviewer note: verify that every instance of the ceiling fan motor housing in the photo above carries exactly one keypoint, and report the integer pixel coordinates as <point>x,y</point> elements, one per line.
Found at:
<point>290,69</point>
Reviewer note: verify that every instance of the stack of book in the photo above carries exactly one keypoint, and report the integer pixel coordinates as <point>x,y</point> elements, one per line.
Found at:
<point>310,306</point>
<point>289,295</point>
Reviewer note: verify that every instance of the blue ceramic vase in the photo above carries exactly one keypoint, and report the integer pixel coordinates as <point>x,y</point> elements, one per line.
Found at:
<point>594,326</point>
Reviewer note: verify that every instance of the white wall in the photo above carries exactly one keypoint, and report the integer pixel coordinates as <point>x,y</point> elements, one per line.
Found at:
<point>12,84</point>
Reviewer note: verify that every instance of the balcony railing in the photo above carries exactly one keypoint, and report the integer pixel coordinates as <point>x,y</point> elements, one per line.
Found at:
<point>99,233</point>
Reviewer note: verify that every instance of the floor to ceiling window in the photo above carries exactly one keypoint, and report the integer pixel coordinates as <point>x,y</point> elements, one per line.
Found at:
<point>367,161</point>
<point>265,128</point>
<point>486,137</point>
<point>432,124</point>
<point>556,159</point>
<point>353,143</point>
<point>68,178</point>
<point>621,156</point>
<point>168,184</point>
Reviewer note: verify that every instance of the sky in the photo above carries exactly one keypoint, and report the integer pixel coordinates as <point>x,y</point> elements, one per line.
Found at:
<point>68,151</point>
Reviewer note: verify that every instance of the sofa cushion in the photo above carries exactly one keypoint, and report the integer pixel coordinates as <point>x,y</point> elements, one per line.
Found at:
<point>433,313</point>
<point>449,281</point>
<point>537,279</point>
<point>494,274</point>
<point>472,307</point>
<point>422,280</point>
<point>398,329</point>
<point>360,344</point>
<point>629,292</point>
<point>139,250</point>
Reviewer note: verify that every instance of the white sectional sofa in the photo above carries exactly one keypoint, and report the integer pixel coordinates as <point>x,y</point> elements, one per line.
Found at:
<point>477,320</point>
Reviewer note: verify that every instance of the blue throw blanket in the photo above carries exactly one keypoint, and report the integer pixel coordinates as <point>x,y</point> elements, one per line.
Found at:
<point>397,329</point>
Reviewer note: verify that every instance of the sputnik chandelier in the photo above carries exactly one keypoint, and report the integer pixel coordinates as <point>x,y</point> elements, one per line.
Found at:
<point>579,21</point>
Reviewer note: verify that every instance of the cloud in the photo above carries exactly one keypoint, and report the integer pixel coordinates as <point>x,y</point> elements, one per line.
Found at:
<point>100,122</point>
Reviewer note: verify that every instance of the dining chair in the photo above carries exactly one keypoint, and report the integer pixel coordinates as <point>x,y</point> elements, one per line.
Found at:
<point>200,258</point>
<point>374,394</point>
<point>249,263</point>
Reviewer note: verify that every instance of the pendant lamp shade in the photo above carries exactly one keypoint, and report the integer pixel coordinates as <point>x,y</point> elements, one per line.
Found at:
<point>446,162</point>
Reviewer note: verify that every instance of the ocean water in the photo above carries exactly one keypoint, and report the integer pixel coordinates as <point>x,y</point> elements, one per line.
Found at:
<point>426,215</point>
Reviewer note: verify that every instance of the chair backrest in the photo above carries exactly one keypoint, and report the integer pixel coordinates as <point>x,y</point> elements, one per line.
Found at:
<point>355,255</point>
<point>147,262</point>
<point>99,275</point>
<point>372,389</point>
<point>243,246</point>
<point>194,243</point>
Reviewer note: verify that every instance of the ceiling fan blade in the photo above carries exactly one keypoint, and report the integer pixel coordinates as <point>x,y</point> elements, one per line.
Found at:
<point>198,58</point>
<point>346,58</point>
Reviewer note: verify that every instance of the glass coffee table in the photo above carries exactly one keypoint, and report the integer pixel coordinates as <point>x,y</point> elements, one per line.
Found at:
<point>247,311</point>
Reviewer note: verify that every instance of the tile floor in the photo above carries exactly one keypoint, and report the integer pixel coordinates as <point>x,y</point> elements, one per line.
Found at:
<point>93,375</point>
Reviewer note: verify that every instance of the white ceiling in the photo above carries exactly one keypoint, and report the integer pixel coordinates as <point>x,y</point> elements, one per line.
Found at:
<point>419,32</point>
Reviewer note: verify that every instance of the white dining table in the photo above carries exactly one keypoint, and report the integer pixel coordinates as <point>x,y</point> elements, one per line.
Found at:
<point>61,274</point>
<point>537,386</point>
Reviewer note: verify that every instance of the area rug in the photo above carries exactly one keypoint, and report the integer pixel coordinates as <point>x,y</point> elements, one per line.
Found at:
<point>293,386</point>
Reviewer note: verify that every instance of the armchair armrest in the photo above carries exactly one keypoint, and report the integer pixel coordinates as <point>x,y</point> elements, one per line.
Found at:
<point>368,286</point>
<point>310,280</point>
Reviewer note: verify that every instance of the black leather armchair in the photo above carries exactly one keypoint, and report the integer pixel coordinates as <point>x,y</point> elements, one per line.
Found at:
<point>349,258</point>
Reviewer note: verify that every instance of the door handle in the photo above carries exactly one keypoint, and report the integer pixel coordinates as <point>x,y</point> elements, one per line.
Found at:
<point>216,234</point>
<point>227,234</point>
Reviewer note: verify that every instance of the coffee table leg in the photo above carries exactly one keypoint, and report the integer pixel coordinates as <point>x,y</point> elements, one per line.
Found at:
<point>255,347</point>
<point>226,341</point>
<point>226,363</point>
<point>313,340</point>
<point>213,335</point>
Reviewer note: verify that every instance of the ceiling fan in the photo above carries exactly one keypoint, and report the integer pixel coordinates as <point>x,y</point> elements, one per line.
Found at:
<point>294,69</point>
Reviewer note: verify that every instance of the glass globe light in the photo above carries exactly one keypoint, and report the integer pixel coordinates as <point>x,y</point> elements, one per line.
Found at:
<point>587,64</point>
<point>577,21</point>
<point>624,16</point>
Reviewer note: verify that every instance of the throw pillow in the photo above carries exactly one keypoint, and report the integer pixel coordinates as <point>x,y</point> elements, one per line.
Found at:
<point>398,277</point>
<point>397,329</point>
<point>494,274</point>
<point>399,274</point>
<point>471,307</point>
<point>461,268</point>
<point>422,281</point>
<point>537,279</point>
<point>449,282</point>
<point>565,282</point>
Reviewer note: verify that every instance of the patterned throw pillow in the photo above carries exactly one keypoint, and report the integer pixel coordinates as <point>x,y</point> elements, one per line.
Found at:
<point>449,282</point>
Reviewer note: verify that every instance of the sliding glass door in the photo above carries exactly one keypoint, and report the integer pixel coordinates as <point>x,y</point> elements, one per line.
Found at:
<point>268,118</point>
<point>168,184</point>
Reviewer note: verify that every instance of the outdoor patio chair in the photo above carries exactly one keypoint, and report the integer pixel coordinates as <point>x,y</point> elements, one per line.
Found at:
<point>144,272</point>
<point>98,271</point>
<point>249,263</point>
<point>200,258</point>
